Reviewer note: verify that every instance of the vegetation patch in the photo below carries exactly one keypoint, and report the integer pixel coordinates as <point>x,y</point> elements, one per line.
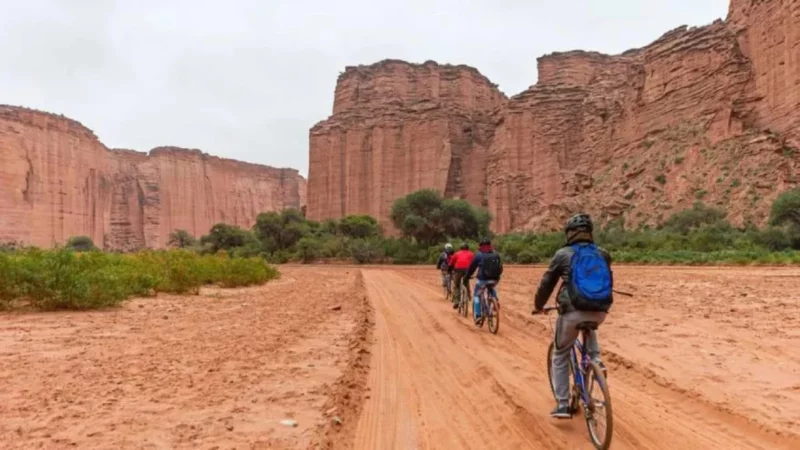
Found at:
<point>66,279</point>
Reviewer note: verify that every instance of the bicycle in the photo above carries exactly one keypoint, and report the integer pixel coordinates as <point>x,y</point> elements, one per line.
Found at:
<point>580,392</point>
<point>448,291</point>
<point>490,309</point>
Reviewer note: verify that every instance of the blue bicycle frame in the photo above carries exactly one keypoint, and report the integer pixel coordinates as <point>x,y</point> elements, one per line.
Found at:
<point>578,371</point>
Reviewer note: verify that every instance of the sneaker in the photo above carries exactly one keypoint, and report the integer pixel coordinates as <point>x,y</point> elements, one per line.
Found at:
<point>455,305</point>
<point>479,321</point>
<point>561,412</point>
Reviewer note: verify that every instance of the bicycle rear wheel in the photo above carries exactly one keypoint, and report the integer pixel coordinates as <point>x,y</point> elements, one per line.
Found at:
<point>493,315</point>
<point>463,305</point>
<point>599,417</point>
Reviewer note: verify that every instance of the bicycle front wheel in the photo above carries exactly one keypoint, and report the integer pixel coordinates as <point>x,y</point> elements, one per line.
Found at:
<point>550,351</point>
<point>599,418</point>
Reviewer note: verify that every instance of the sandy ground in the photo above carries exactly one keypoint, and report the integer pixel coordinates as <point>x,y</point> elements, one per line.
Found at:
<point>699,358</point>
<point>216,371</point>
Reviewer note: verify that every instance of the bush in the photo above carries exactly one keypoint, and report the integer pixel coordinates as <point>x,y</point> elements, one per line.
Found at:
<point>359,227</point>
<point>81,244</point>
<point>64,279</point>
<point>786,209</point>
<point>181,239</point>
<point>684,221</point>
<point>308,250</point>
<point>227,237</point>
<point>366,251</point>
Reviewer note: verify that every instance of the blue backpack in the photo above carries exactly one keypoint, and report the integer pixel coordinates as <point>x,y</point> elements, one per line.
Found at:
<point>591,280</point>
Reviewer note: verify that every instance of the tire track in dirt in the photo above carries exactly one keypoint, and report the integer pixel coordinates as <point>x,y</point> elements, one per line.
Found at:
<point>439,382</point>
<point>345,402</point>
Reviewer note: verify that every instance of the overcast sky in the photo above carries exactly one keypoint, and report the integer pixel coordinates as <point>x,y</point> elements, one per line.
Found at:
<point>246,79</point>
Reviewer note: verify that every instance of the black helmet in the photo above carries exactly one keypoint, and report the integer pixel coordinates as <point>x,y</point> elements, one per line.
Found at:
<point>580,221</point>
<point>485,241</point>
<point>464,246</point>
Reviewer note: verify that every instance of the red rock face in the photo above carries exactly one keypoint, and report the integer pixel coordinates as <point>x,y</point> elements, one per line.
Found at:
<point>59,181</point>
<point>708,113</point>
<point>398,127</point>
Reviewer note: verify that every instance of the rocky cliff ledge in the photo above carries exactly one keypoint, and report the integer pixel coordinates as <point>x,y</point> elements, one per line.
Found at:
<point>59,181</point>
<point>709,113</point>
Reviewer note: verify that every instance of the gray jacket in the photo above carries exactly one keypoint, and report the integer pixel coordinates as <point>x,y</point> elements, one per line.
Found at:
<point>560,269</point>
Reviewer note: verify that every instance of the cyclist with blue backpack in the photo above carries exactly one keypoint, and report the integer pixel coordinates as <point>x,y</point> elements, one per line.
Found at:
<point>489,267</point>
<point>585,295</point>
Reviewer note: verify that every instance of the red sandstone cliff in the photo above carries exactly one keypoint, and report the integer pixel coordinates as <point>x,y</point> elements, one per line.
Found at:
<point>398,127</point>
<point>59,181</point>
<point>709,113</point>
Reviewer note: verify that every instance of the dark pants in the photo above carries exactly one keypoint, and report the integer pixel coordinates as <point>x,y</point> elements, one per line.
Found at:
<point>459,277</point>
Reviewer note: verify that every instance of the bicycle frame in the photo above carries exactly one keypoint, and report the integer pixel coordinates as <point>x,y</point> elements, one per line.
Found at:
<point>578,367</point>
<point>579,370</point>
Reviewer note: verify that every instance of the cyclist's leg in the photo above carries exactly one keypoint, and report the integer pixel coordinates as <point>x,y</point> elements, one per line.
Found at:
<point>566,333</point>
<point>457,275</point>
<point>493,290</point>
<point>592,341</point>
<point>476,300</point>
<point>564,338</point>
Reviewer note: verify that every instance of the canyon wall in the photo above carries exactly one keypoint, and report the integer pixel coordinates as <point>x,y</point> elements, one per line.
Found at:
<point>706,114</point>
<point>398,127</point>
<point>59,181</point>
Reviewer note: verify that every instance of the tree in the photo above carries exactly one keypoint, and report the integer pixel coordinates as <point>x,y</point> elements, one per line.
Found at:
<point>308,249</point>
<point>227,237</point>
<point>428,218</point>
<point>181,239</point>
<point>81,244</point>
<point>786,209</point>
<point>280,231</point>
<point>359,226</point>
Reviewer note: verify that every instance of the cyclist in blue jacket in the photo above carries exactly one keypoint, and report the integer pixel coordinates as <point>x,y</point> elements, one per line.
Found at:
<point>489,266</point>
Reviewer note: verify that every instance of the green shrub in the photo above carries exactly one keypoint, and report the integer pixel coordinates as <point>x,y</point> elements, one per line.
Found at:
<point>65,279</point>
<point>699,215</point>
<point>366,251</point>
<point>308,249</point>
<point>81,244</point>
<point>181,239</point>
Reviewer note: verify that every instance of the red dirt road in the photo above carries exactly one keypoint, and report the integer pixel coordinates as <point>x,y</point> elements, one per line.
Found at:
<point>438,382</point>
<point>699,358</point>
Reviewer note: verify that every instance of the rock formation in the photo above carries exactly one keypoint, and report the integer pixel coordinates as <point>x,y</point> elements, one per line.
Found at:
<point>709,113</point>
<point>398,127</point>
<point>59,181</point>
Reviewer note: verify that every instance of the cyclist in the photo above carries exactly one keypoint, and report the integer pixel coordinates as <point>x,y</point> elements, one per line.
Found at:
<point>489,267</point>
<point>441,263</point>
<point>459,263</point>
<point>572,308</point>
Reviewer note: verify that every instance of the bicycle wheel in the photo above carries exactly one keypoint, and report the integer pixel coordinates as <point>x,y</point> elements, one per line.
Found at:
<point>550,351</point>
<point>493,315</point>
<point>462,304</point>
<point>599,418</point>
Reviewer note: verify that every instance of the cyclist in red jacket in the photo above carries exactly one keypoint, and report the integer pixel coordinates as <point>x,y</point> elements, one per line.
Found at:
<point>459,263</point>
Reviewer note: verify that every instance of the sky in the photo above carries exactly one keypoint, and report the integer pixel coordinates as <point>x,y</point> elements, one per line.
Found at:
<point>246,79</point>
